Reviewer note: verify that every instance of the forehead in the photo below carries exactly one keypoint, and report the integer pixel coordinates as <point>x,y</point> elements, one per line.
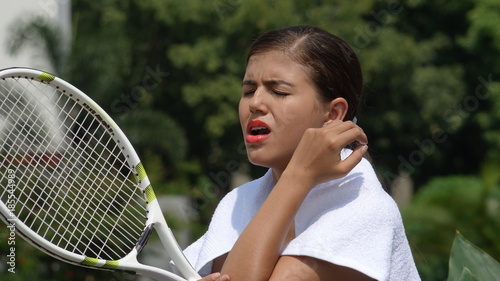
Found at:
<point>277,65</point>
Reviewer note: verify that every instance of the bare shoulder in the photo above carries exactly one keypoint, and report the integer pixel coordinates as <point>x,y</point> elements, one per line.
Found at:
<point>312,269</point>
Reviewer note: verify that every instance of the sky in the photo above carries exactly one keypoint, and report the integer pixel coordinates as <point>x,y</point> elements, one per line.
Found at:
<point>13,12</point>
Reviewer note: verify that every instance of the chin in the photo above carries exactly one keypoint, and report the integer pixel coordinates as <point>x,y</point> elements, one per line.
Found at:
<point>266,161</point>
<point>258,160</point>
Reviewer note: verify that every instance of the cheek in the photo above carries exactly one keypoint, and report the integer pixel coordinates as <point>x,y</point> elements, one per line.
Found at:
<point>291,127</point>
<point>244,115</point>
<point>298,117</point>
<point>241,112</point>
<point>287,116</point>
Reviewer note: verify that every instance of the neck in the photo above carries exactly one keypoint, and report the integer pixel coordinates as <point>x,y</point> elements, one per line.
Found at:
<point>276,175</point>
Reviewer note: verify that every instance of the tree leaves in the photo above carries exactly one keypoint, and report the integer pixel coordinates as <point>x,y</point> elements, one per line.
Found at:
<point>468,262</point>
<point>448,204</point>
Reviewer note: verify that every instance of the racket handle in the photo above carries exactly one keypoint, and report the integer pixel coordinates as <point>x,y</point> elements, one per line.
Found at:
<point>175,252</point>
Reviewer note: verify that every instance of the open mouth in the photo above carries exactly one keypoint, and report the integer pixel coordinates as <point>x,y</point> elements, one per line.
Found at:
<point>257,131</point>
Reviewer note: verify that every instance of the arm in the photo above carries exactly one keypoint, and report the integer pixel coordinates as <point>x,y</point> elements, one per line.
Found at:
<point>255,255</point>
<point>302,268</point>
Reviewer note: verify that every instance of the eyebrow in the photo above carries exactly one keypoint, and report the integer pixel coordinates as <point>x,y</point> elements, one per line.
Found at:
<point>267,82</point>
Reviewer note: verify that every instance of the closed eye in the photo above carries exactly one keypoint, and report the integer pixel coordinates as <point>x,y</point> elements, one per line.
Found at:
<point>279,94</point>
<point>276,94</point>
<point>248,93</point>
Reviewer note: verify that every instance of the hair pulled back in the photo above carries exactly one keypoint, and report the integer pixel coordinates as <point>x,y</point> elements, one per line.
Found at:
<point>333,66</point>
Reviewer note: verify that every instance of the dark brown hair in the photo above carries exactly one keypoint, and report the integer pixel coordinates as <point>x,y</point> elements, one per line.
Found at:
<point>334,67</point>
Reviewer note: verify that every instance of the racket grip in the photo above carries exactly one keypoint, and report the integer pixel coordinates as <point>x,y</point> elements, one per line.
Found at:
<point>175,252</point>
<point>143,240</point>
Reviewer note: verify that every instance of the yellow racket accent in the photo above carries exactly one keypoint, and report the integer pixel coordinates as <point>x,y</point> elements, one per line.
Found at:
<point>46,77</point>
<point>150,194</point>
<point>75,136</point>
<point>140,171</point>
<point>89,261</point>
<point>111,264</point>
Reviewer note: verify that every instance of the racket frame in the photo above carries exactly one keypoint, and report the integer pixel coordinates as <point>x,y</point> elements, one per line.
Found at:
<point>155,219</point>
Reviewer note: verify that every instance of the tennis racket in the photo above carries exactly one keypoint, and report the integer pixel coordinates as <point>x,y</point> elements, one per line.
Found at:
<point>71,183</point>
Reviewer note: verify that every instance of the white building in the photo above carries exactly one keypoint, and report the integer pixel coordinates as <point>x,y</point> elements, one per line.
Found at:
<point>19,11</point>
<point>14,12</point>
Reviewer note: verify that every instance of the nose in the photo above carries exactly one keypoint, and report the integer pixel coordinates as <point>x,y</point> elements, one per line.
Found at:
<point>257,102</point>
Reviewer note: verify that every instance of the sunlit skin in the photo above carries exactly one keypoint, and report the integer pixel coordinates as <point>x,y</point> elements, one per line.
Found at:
<point>278,91</point>
<point>281,117</point>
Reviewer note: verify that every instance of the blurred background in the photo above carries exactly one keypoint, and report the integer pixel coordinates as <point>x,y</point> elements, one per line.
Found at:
<point>169,72</point>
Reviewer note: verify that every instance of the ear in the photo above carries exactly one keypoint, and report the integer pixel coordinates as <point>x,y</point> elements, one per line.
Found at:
<point>337,109</point>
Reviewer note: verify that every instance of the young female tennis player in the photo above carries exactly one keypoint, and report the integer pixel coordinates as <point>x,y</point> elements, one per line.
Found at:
<point>319,213</point>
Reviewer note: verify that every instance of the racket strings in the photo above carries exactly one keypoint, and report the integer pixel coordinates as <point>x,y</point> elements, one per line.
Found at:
<point>76,194</point>
<point>110,206</point>
<point>97,177</point>
<point>18,152</point>
<point>24,111</point>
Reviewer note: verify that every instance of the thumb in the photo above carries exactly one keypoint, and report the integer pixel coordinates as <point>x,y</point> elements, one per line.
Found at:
<point>211,277</point>
<point>352,160</point>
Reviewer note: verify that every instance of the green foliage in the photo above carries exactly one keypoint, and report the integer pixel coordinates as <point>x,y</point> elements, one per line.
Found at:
<point>166,139</point>
<point>186,59</point>
<point>468,262</point>
<point>169,72</point>
<point>32,264</point>
<point>443,206</point>
<point>484,22</point>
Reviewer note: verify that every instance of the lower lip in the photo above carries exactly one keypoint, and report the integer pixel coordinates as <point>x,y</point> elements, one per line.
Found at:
<point>256,139</point>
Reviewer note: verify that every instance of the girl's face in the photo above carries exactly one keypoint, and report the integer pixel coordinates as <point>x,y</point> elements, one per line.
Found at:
<point>278,104</point>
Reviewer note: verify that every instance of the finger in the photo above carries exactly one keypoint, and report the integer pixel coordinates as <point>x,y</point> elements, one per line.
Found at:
<point>340,125</point>
<point>224,277</point>
<point>352,160</point>
<point>211,277</point>
<point>347,133</point>
<point>356,134</point>
<point>361,138</point>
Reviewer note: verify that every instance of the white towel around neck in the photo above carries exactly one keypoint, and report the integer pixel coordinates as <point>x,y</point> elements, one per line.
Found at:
<point>350,222</point>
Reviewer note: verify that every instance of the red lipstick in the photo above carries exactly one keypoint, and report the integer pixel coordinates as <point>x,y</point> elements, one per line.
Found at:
<point>257,131</point>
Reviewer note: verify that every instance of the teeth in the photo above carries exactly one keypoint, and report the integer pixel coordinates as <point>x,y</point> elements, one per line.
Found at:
<point>259,128</point>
